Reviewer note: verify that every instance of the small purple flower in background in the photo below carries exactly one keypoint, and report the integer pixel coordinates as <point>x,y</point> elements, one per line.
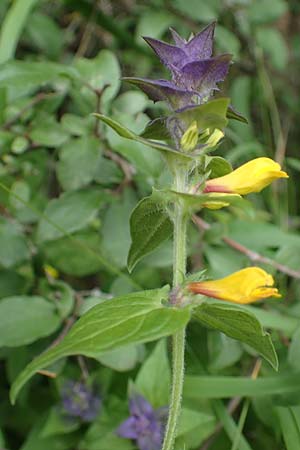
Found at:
<point>145,425</point>
<point>80,401</point>
<point>195,73</point>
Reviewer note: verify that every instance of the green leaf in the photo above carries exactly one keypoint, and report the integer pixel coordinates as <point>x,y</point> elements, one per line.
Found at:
<point>265,11</point>
<point>273,43</point>
<point>195,202</point>
<point>115,229</point>
<point>78,162</point>
<point>25,319</point>
<point>12,27</point>
<point>20,76</point>
<point>294,351</point>
<point>101,71</point>
<point>199,387</point>
<point>57,423</point>
<point>239,324</point>
<point>208,115</point>
<point>70,212</point>
<point>134,318</point>
<point>150,225</point>
<point>127,134</point>
<point>154,377</point>
<point>218,166</point>
<point>48,133</point>
<point>290,426</point>
<point>13,246</point>
<point>197,9</point>
<point>59,294</point>
<point>156,129</point>
<point>236,115</point>
<point>123,359</point>
<point>44,33</point>
<point>78,255</point>
<point>131,102</point>
<point>227,41</point>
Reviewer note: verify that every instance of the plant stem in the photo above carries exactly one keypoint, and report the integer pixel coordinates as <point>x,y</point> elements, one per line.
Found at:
<point>178,339</point>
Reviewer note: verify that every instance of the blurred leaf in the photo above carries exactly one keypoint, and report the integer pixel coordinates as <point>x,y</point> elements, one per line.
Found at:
<point>98,72</point>
<point>48,133</point>
<point>153,23</point>
<point>227,42</point>
<point>13,283</point>
<point>290,426</point>
<point>273,43</point>
<point>115,229</point>
<point>294,351</point>
<point>258,235</point>
<point>224,352</point>
<point>154,377</point>
<point>197,9</point>
<point>101,435</point>
<point>45,34</point>
<point>60,294</point>
<point>150,225</point>
<point>199,387</point>
<point>134,318</point>
<point>21,76</point>
<point>25,319</point>
<point>123,359</point>
<point>70,212</point>
<point>131,102</point>
<point>78,162</point>
<point>57,423</point>
<point>13,246</point>
<point>241,99</point>
<point>78,256</point>
<point>12,27</point>
<point>265,11</point>
<point>239,324</point>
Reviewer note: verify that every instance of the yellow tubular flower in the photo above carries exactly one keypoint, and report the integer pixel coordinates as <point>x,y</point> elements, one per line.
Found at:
<point>245,286</point>
<point>253,176</point>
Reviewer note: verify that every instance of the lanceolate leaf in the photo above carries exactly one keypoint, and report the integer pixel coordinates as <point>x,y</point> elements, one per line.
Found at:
<point>127,134</point>
<point>239,324</point>
<point>134,318</point>
<point>150,225</point>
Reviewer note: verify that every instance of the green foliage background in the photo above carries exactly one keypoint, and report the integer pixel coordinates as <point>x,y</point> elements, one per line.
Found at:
<point>68,185</point>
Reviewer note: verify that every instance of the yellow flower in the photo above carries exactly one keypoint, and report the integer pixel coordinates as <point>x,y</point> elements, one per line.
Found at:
<point>245,286</point>
<point>253,176</point>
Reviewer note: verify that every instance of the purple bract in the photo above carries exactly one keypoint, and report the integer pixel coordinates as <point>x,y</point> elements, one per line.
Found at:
<point>145,425</point>
<point>195,73</point>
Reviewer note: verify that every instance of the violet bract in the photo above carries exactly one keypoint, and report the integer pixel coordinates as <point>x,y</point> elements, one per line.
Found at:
<point>195,73</point>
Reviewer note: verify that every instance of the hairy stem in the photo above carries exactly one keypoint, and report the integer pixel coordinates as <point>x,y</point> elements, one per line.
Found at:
<point>178,339</point>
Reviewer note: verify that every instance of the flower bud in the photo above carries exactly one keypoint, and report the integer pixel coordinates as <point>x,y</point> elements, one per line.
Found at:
<point>190,137</point>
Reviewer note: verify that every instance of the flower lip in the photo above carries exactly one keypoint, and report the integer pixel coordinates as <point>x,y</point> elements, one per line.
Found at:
<point>252,176</point>
<point>245,286</point>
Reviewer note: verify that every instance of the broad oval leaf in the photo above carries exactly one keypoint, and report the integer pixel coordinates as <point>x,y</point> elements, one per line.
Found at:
<point>24,319</point>
<point>239,324</point>
<point>133,318</point>
<point>70,212</point>
<point>150,225</point>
